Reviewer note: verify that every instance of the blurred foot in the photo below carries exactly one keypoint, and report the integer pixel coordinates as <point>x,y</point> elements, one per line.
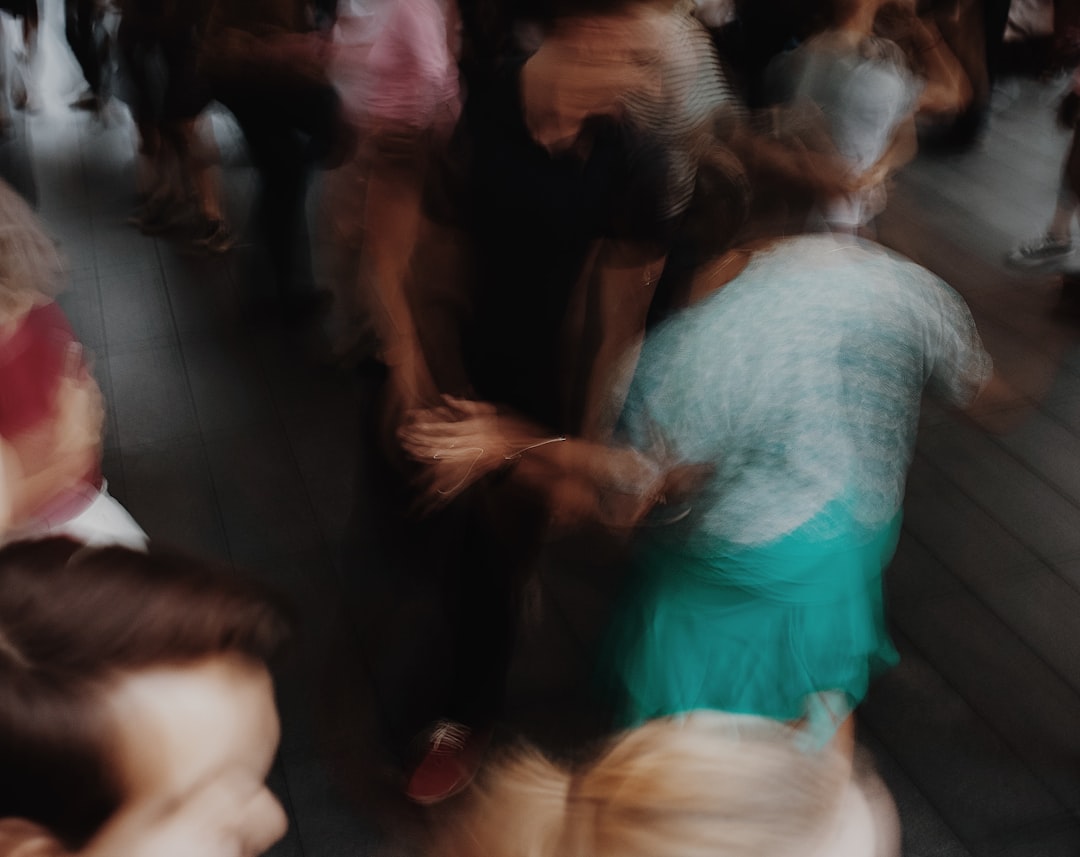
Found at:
<point>1039,251</point>
<point>217,237</point>
<point>158,216</point>
<point>452,757</point>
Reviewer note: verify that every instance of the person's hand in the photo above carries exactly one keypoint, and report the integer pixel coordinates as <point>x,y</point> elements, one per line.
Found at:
<point>876,175</point>
<point>461,442</point>
<point>80,417</point>
<point>648,488</point>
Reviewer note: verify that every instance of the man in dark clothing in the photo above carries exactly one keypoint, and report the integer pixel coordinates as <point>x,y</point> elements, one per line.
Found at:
<point>265,63</point>
<point>89,41</point>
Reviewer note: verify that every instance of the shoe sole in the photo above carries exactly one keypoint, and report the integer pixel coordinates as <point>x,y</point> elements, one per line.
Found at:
<point>214,249</point>
<point>1038,263</point>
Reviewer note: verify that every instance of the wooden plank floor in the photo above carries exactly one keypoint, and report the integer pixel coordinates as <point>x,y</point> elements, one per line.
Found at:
<point>979,728</point>
<point>225,439</point>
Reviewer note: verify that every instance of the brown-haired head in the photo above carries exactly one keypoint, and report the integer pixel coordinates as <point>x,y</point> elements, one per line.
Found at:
<point>72,619</point>
<point>789,166</point>
<point>720,205</point>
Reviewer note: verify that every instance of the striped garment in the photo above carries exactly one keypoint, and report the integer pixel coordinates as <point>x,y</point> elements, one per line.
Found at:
<point>650,66</point>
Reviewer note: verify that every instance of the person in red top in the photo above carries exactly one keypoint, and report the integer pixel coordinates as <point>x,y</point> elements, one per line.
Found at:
<point>51,414</point>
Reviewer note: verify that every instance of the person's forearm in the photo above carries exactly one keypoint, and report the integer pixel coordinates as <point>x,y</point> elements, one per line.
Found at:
<point>622,291</point>
<point>602,464</point>
<point>439,300</point>
<point>574,477</point>
<point>948,89</point>
<point>964,36</point>
<point>998,408</point>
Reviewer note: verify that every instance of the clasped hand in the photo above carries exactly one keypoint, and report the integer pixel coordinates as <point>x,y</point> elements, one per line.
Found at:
<point>461,442</point>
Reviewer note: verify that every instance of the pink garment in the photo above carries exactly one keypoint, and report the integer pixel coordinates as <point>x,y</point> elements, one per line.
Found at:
<point>354,33</point>
<point>34,361</point>
<point>414,77</point>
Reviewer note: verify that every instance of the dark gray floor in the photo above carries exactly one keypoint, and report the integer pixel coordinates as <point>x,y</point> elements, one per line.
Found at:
<point>224,438</point>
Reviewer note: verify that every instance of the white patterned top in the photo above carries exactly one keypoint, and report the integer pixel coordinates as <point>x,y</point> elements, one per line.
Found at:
<point>800,382</point>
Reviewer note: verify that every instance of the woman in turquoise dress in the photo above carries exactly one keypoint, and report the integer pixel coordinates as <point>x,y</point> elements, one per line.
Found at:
<point>789,399</point>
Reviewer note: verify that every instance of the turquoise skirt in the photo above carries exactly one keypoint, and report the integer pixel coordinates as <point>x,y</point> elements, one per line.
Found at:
<point>761,630</point>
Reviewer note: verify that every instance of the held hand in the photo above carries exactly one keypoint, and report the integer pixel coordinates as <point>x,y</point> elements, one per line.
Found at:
<point>462,441</point>
<point>80,417</point>
<point>647,488</point>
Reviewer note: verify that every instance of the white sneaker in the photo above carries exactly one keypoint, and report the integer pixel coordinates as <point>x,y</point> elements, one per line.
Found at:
<point>1040,250</point>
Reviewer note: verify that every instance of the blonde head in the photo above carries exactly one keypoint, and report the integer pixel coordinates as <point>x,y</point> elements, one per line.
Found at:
<point>519,809</point>
<point>30,263</point>
<point>706,785</point>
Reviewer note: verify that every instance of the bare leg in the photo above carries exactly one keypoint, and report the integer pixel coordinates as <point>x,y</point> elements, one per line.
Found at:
<point>199,159</point>
<point>393,221</point>
<point>148,167</point>
<point>844,740</point>
<point>344,266</point>
<point>159,181</point>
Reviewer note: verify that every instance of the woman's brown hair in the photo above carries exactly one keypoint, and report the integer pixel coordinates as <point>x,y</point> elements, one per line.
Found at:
<point>73,618</point>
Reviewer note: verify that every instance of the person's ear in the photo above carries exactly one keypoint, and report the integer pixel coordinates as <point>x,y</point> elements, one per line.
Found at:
<point>22,838</point>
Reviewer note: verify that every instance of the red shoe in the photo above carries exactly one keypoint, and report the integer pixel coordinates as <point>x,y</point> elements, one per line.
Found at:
<point>451,759</point>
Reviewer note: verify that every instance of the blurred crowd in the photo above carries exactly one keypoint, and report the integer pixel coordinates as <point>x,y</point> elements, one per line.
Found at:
<point>611,264</point>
